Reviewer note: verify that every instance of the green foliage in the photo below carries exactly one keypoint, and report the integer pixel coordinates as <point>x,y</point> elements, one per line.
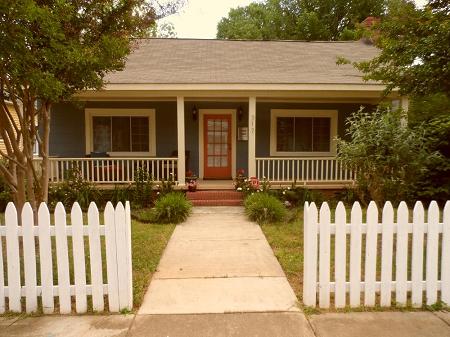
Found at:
<point>264,208</point>
<point>143,194</point>
<point>389,156</point>
<point>166,186</point>
<point>5,194</point>
<point>172,207</point>
<point>74,189</point>
<point>296,196</point>
<point>298,20</point>
<point>434,115</point>
<point>414,49</point>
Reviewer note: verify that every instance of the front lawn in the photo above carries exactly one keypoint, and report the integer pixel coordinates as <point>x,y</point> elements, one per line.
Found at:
<point>148,244</point>
<point>286,240</point>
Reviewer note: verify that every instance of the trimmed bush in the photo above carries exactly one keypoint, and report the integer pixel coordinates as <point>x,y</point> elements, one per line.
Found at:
<point>263,208</point>
<point>171,208</point>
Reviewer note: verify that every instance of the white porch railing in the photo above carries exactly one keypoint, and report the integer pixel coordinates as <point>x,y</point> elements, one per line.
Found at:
<point>303,170</point>
<point>111,170</point>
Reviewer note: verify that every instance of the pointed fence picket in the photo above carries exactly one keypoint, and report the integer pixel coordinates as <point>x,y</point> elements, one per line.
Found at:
<point>56,259</point>
<point>398,259</point>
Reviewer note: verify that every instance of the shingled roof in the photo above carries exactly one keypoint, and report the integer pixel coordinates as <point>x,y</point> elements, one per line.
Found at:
<point>190,61</point>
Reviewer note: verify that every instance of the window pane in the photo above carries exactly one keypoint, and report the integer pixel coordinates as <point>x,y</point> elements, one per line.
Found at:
<point>321,134</point>
<point>121,134</point>
<point>102,134</point>
<point>285,134</point>
<point>303,134</point>
<point>139,134</point>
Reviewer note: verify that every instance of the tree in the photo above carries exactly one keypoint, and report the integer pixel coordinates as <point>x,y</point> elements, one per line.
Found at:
<point>415,59</point>
<point>298,19</point>
<point>415,53</point>
<point>50,50</point>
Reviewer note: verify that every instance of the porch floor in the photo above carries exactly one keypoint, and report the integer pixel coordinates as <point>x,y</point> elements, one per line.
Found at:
<point>215,184</point>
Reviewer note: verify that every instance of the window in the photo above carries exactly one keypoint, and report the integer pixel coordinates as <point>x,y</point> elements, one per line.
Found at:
<point>300,132</point>
<point>120,132</point>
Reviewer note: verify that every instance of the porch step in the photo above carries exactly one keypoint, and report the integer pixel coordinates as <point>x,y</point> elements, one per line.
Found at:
<point>217,202</point>
<point>215,198</point>
<point>214,195</point>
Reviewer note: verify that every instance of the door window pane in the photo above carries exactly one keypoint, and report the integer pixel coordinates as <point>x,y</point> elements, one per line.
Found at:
<point>102,134</point>
<point>285,134</point>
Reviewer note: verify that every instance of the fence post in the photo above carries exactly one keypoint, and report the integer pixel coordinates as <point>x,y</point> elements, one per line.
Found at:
<point>29,258</point>
<point>12,258</point>
<point>401,260</point>
<point>355,256</point>
<point>445,264</point>
<point>122,256</point>
<point>62,257</point>
<point>417,255</point>
<point>111,258</point>
<point>386,254</point>
<point>324,256</point>
<point>45,259</point>
<point>129,254</point>
<point>95,258</point>
<point>310,255</point>
<point>79,264</point>
<point>371,254</point>
<point>432,253</point>
<point>340,255</point>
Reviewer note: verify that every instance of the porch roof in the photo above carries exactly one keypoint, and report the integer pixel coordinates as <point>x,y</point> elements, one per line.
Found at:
<point>191,61</point>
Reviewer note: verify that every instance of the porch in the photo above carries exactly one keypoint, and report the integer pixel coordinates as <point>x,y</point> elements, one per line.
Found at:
<point>287,138</point>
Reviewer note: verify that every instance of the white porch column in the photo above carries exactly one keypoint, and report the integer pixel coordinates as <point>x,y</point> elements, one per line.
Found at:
<point>252,136</point>
<point>181,142</point>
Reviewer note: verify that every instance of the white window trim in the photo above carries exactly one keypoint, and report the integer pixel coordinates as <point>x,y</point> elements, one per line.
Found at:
<point>89,132</point>
<point>275,113</point>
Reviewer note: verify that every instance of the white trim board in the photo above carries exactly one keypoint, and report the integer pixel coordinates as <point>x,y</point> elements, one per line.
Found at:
<point>150,113</point>
<point>202,113</point>
<point>274,113</point>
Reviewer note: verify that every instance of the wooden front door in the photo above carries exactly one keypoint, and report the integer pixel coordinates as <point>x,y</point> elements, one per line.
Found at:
<point>217,146</point>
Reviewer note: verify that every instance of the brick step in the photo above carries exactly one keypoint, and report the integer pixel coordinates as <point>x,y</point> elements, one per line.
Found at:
<point>217,202</point>
<point>214,195</point>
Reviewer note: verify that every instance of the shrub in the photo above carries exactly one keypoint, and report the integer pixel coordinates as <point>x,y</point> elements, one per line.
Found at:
<point>74,189</point>
<point>172,207</point>
<point>389,156</point>
<point>263,208</point>
<point>142,190</point>
<point>166,186</point>
<point>5,195</point>
<point>296,196</point>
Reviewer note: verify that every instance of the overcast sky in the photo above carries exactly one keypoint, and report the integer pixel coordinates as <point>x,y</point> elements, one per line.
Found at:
<point>199,18</point>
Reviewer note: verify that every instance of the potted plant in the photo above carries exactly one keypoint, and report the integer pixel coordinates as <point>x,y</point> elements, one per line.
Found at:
<point>191,180</point>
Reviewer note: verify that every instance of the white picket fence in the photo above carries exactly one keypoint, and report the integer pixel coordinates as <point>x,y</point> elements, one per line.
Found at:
<point>26,262</point>
<point>414,256</point>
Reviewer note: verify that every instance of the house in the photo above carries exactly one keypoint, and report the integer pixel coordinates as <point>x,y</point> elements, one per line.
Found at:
<point>271,108</point>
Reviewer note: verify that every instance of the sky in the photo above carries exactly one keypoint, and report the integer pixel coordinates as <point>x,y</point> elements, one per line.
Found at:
<point>199,18</point>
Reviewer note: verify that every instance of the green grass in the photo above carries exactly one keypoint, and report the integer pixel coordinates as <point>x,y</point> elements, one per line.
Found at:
<point>286,240</point>
<point>148,244</point>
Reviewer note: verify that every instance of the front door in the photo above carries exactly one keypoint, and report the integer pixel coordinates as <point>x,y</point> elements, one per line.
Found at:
<point>217,146</point>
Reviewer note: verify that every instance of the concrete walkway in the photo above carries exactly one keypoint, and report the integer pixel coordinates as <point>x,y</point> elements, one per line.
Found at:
<point>218,262</point>
<point>218,277</point>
